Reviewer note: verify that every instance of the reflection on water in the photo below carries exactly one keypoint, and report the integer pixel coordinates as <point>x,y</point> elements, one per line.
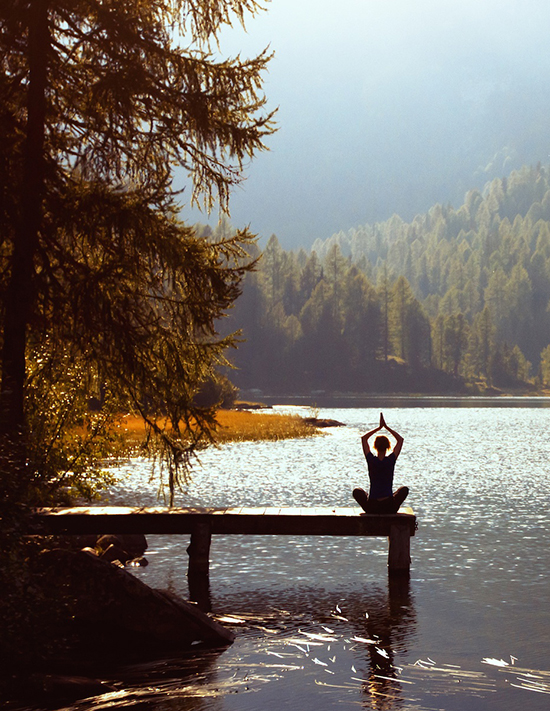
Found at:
<point>391,622</point>
<point>314,649</point>
<point>302,638</point>
<point>340,640</point>
<point>302,647</point>
<point>179,684</point>
<point>318,624</point>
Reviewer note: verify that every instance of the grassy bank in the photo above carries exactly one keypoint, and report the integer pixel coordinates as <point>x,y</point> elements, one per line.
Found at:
<point>237,426</point>
<point>244,425</point>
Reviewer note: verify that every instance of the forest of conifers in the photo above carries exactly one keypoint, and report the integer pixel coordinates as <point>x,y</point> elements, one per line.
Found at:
<point>455,299</point>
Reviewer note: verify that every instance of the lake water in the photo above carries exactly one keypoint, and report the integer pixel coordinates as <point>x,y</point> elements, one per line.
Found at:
<point>319,625</point>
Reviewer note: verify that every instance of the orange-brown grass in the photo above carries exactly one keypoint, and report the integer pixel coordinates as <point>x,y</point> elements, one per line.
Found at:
<point>238,426</point>
<point>243,425</point>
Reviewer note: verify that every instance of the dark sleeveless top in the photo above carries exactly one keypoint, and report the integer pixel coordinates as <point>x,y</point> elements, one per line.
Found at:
<point>380,475</point>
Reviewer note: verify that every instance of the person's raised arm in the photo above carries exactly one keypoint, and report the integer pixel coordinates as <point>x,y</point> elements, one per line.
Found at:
<point>399,439</point>
<point>366,436</point>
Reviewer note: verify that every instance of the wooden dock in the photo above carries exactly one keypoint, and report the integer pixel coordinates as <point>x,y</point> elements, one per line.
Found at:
<point>202,523</point>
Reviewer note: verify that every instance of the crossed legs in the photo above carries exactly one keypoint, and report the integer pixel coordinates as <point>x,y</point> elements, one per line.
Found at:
<point>388,505</point>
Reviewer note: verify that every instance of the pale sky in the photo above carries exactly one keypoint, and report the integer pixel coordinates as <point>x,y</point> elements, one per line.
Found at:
<point>390,106</point>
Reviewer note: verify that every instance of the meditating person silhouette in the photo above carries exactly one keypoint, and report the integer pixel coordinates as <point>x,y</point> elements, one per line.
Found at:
<point>381,499</point>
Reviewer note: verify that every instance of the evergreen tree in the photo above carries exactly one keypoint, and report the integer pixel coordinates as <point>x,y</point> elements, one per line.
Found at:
<point>361,310</point>
<point>292,301</point>
<point>334,270</point>
<point>496,298</point>
<point>482,343</point>
<point>100,104</point>
<point>455,341</point>
<point>545,367</point>
<point>272,271</point>
<point>384,291</point>
<point>323,347</point>
<point>410,330</point>
<point>311,275</point>
<point>248,317</point>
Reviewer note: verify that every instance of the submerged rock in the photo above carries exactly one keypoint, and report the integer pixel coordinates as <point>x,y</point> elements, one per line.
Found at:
<point>103,611</point>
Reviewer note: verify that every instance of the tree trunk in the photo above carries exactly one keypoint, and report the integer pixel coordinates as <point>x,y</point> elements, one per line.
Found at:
<point>20,292</point>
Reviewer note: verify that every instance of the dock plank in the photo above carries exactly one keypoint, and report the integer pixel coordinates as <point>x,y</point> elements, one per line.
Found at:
<point>244,520</point>
<point>203,522</point>
<point>292,511</point>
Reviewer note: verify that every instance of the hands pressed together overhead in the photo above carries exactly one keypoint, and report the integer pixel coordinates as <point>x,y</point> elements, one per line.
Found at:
<point>384,425</point>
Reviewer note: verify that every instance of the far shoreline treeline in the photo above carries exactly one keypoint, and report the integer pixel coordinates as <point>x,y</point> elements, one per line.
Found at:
<point>456,301</point>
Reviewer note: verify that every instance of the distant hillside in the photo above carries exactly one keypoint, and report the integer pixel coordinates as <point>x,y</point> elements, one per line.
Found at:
<point>455,297</point>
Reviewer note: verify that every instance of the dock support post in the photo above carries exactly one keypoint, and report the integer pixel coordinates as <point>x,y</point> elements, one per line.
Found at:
<point>199,549</point>
<point>199,564</point>
<point>399,554</point>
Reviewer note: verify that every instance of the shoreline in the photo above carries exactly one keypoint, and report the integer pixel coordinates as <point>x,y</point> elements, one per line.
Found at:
<point>366,400</point>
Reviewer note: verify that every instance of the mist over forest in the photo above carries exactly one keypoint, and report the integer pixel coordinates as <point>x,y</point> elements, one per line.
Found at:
<point>404,188</point>
<point>389,108</point>
<point>403,209</point>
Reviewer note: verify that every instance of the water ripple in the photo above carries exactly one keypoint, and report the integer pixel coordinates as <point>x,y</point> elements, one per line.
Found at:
<point>480,485</point>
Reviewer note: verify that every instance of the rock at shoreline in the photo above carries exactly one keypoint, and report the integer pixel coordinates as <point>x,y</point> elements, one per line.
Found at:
<point>104,612</point>
<point>320,422</point>
<point>127,545</point>
<point>127,548</point>
<point>115,553</point>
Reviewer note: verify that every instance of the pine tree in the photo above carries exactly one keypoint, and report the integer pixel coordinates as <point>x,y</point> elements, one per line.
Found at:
<point>384,291</point>
<point>482,343</point>
<point>100,103</point>
<point>455,337</point>
<point>272,270</point>
<point>334,269</point>
<point>545,367</point>
<point>361,309</point>
<point>311,275</point>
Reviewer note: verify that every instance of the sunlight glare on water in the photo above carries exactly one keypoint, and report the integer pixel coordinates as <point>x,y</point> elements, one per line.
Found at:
<point>318,623</point>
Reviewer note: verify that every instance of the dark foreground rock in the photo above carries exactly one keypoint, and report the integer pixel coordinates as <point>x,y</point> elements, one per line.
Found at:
<point>102,612</point>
